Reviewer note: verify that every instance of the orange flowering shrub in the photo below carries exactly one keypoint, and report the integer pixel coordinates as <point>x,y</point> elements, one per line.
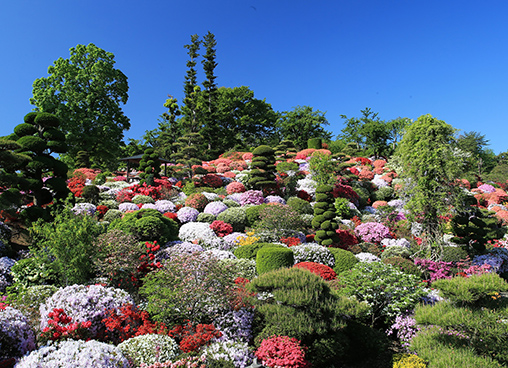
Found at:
<point>377,204</point>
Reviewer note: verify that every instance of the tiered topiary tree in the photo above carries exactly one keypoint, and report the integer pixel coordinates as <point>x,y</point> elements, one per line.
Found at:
<point>10,161</point>
<point>82,159</point>
<point>44,177</point>
<point>263,168</point>
<point>150,166</point>
<point>316,143</point>
<point>285,150</point>
<point>324,214</point>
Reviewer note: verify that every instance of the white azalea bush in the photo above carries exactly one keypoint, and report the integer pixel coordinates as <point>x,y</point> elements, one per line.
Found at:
<point>149,349</point>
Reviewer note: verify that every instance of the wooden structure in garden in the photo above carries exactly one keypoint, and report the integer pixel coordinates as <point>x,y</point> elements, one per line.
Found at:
<point>136,159</point>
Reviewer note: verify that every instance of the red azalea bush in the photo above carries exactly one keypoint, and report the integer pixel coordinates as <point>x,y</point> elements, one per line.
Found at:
<point>101,210</point>
<point>366,175</point>
<point>128,322</point>
<point>211,180</point>
<point>197,201</point>
<point>235,187</point>
<point>60,327</point>
<point>76,183</point>
<point>238,165</point>
<point>347,239</point>
<point>354,170</point>
<point>247,156</point>
<point>221,228</point>
<point>302,194</point>
<point>126,195</point>
<point>379,163</point>
<point>240,296</point>
<point>377,204</point>
<point>345,191</point>
<point>289,241</point>
<point>90,174</point>
<point>171,215</point>
<point>362,160</point>
<point>192,338</point>
<point>319,269</point>
<point>282,352</point>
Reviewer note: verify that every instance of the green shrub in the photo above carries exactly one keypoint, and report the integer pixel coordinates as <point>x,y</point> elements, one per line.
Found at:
<point>91,194</point>
<point>230,203</point>
<point>299,205</point>
<point>383,194</point>
<point>453,254</point>
<point>396,251</point>
<point>141,198</point>
<point>234,216</point>
<point>252,215</point>
<point>405,265</point>
<point>112,215</point>
<point>342,208</point>
<point>34,271</point>
<point>205,217</point>
<point>250,251</point>
<point>245,268</point>
<point>287,166</point>
<point>148,225</point>
<point>278,218</point>
<point>273,258</point>
<point>344,260</point>
<point>149,349</point>
<point>315,143</point>
<point>109,203</point>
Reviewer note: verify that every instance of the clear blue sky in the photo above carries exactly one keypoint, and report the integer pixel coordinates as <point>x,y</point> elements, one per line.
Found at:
<point>400,58</point>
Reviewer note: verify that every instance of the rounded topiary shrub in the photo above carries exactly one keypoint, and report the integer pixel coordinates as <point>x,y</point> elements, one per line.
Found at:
<point>324,212</point>
<point>205,217</point>
<point>299,205</point>
<point>405,265</point>
<point>142,199</point>
<point>252,215</point>
<point>91,194</point>
<point>262,174</point>
<point>197,201</point>
<point>250,251</point>
<point>273,258</point>
<point>344,259</point>
<point>112,215</point>
<point>453,254</point>
<point>234,216</point>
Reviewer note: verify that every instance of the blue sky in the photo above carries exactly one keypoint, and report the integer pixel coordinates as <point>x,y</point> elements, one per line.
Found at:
<point>400,58</point>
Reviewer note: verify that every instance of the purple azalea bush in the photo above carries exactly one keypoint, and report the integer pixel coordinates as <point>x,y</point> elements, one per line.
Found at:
<point>127,206</point>
<point>164,206</point>
<point>487,188</point>
<point>214,208</point>
<point>254,197</point>
<point>16,336</point>
<point>274,199</point>
<point>187,214</point>
<point>372,232</point>
<point>84,209</point>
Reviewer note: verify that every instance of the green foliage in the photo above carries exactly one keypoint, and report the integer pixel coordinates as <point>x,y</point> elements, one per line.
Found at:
<point>262,175</point>
<point>249,251</point>
<point>286,150</point>
<point>205,217</point>
<point>301,124</point>
<point>316,143</point>
<point>147,225</point>
<point>324,214</point>
<point>69,241</point>
<point>430,165</point>
<point>383,194</point>
<point>141,198</point>
<point>405,265</point>
<point>252,215</point>
<point>91,194</point>
<point>395,251</point>
<point>112,215</point>
<point>149,164</point>
<point>471,290</point>
<point>453,254</point>
<point>85,92</point>
<point>284,167</point>
<point>272,258</point>
<point>235,217</point>
<point>324,168</point>
<point>34,271</point>
<point>342,208</point>
<point>299,304</point>
<point>299,205</point>
<point>388,291</point>
<point>344,260</point>
<point>279,219</point>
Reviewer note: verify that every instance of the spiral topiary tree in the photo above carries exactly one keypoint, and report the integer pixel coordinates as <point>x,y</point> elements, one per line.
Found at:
<point>285,150</point>
<point>324,214</point>
<point>43,179</point>
<point>150,166</point>
<point>263,168</point>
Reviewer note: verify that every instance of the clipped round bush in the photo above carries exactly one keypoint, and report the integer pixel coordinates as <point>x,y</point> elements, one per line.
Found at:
<point>85,303</point>
<point>76,354</point>
<point>254,197</point>
<point>312,252</point>
<point>234,216</point>
<point>187,214</point>
<point>91,194</point>
<point>149,349</point>
<point>250,251</point>
<point>383,194</point>
<point>372,232</point>
<point>16,336</point>
<point>142,199</point>
<point>396,251</point>
<point>205,217</point>
<point>214,208</point>
<point>252,215</point>
<point>299,205</point>
<point>344,260</point>
<point>235,187</point>
<point>112,215</point>
<point>272,258</point>
<point>192,231</point>
<point>282,351</point>
<point>197,201</point>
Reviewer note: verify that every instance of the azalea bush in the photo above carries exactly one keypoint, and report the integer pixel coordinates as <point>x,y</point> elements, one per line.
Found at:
<point>283,352</point>
<point>16,336</point>
<point>372,232</point>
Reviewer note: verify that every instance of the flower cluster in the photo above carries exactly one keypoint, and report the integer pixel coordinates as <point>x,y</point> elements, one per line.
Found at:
<point>231,351</point>
<point>307,185</point>
<point>367,257</point>
<point>85,303</point>
<point>319,269</point>
<point>254,197</point>
<point>435,270</point>
<point>6,264</point>
<point>149,349</point>
<point>494,262</point>
<point>282,352</point>
<point>372,232</point>
<point>345,191</point>
<point>60,327</point>
<point>405,327</point>
<point>312,252</point>
<point>16,336</point>
<point>76,354</point>
<point>84,209</point>
<point>274,199</point>
<point>236,325</point>
<point>187,214</point>
<point>127,206</point>
<point>192,338</point>
<point>193,231</point>
<point>487,188</point>
<point>214,208</point>
<point>401,242</point>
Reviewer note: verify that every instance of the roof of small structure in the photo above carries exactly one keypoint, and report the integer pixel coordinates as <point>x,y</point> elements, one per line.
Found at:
<point>137,158</point>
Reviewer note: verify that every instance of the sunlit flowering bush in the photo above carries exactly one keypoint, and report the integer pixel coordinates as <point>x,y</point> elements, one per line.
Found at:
<point>141,198</point>
<point>214,208</point>
<point>76,354</point>
<point>501,253</point>
<point>6,264</point>
<point>254,197</point>
<point>219,254</point>
<point>16,336</point>
<point>487,188</point>
<point>84,208</point>
<point>127,206</point>
<point>367,257</point>
<point>405,328</point>
<point>211,196</point>
<point>236,325</point>
<point>372,232</point>
<point>397,203</point>
<point>233,240</point>
<point>494,262</point>
<point>274,199</point>
<point>149,349</point>
<point>435,270</point>
<point>221,228</point>
<point>149,205</point>
<point>231,351</point>
<point>234,197</point>
<point>177,248</point>
<point>319,269</point>
<point>235,187</point>
<point>61,327</point>
<point>312,252</point>
<point>164,206</point>
<point>85,303</point>
<point>192,231</point>
<point>282,352</point>
<point>187,214</point>
<point>308,185</point>
<point>401,242</point>
<point>379,182</point>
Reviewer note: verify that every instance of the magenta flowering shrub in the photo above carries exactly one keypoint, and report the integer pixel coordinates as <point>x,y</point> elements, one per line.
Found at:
<point>254,197</point>
<point>435,270</point>
<point>85,303</point>
<point>405,328</point>
<point>487,188</point>
<point>282,352</point>
<point>372,232</point>
<point>235,187</point>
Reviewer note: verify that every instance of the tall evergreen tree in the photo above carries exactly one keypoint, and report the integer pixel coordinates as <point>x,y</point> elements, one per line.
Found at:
<point>191,88</point>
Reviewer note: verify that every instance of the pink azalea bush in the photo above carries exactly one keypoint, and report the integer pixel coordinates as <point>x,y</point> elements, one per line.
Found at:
<point>282,352</point>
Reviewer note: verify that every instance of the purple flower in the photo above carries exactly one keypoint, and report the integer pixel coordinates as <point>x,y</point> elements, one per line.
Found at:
<point>275,199</point>
<point>149,205</point>
<point>187,214</point>
<point>214,208</point>
<point>127,206</point>
<point>487,188</point>
<point>254,197</point>
<point>84,208</point>
<point>372,232</point>
<point>164,206</point>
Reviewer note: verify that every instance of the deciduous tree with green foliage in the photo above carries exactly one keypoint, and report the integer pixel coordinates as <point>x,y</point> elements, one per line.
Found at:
<point>429,170</point>
<point>301,124</point>
<point>86,93</point>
